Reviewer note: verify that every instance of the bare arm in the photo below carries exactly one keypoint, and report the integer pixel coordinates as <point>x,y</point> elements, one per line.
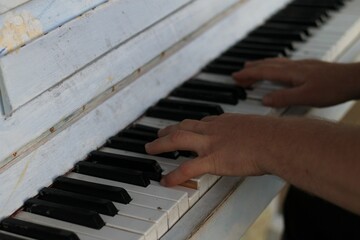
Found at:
<point>320,157</point>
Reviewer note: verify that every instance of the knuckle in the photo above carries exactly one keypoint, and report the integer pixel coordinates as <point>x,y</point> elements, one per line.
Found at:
<point>185,169</point>
<point>177,136</point>
<point>185,123</point>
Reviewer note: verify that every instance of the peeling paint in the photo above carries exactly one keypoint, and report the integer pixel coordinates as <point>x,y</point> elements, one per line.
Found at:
<point>18,29</point>
<point>18,183</point>
<point>110,79</point>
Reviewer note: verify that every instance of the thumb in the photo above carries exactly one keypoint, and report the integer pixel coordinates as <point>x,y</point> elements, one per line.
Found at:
<point>284,98</point>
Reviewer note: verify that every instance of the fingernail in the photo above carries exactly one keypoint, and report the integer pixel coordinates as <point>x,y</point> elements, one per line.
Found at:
<point>147,145</point>
<point>163,181</point>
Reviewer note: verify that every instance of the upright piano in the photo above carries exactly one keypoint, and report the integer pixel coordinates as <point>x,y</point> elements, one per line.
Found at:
<point>85,83</point>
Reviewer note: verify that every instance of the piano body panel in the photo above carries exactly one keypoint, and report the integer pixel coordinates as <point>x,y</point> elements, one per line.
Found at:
<point>70,47</point>
<point>32,19</point>
<point>88,127</point>
<point>46,136</point>
<point>73,95</point>
<point>113,71</point>
<point>232,203</point>
<point>7,5</point>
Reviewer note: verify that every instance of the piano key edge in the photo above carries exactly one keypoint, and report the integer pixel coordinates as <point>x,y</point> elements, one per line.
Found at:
<point>220,206</point>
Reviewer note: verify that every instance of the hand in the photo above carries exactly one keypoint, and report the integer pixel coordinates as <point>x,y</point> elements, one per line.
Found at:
<point>230,144</point>
<point>312,82</point>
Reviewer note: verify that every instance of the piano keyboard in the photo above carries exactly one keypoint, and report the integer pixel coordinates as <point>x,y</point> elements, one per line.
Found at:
<point>115,192</point>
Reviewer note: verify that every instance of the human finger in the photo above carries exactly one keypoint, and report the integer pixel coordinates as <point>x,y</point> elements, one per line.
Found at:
<point>187,125</point>
<point>209,118</point>
<point>166,130</point>
<point>285,97</point>
<point>279,60</point>
<point>249,76</point>
<point>187,170</point>
<point>177,140</point>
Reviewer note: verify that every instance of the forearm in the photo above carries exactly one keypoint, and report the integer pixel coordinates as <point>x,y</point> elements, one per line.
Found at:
<point>320,157</point>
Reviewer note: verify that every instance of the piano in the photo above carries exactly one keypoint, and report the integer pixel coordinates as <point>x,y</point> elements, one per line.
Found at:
<point>83,84</point>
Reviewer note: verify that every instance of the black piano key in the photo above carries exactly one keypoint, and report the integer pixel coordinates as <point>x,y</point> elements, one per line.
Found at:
<point>99,205</point>
<point>255,46</point>
<point>211,109</point>
<point>181,153</point>
<point>115,194</point>
<point>293,35</point>
<point>11,236</point>
<point>297,21</point>
<point>251,54</point>
<point>233,61</point>
<point>222,69</point>
<point>206,95</point>
<point>65,213</point>
<point>302,13</point>
<point>136,145</point>
<point>270,41</point>
<point>149,167</point>
<point>327,4</point>
<point>284,26</point>
<point>174,114</point>
<point>124,175</point>
<point>138,134</point>
<point>144,128</point>
<point>214,86</point>
<point>33,230</point>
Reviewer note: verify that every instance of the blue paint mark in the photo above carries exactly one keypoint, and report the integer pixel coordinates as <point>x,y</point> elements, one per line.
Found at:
<point>2,50</point>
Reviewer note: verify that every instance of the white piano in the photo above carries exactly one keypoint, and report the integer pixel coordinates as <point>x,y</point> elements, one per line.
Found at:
<point>74,73</point>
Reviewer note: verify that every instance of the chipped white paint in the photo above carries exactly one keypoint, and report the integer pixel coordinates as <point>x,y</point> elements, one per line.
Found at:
<point>61,101</point>
<point>6,5</point>
<point>74,45</point>
<point>26,22</point>
<point>18,29</point>
<point>58,154</point>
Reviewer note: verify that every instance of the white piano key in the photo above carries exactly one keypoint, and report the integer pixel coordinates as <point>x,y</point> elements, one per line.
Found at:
<point>200,183</point>
<point>229,80</point>
<point>193,194</point>
<point>268,85</point>
<point>105,233</point>
<point>155,122</point>
<point>215,78</point>
<point>159,218</point>
<point>156,191</point>
<point>158,203</point>
<point>22,237</point>
<point>145,228</point>
<point>243,107</point>
<point>257,93</point>
<point>168,206</point>
<point>175,162</point>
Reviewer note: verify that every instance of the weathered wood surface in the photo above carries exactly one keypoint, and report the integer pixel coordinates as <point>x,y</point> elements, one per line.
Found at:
<point>73,45</point>
<point>6,5</point>
<point>32,19</point>
<point>60,102</point>
<point>90,126</point>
